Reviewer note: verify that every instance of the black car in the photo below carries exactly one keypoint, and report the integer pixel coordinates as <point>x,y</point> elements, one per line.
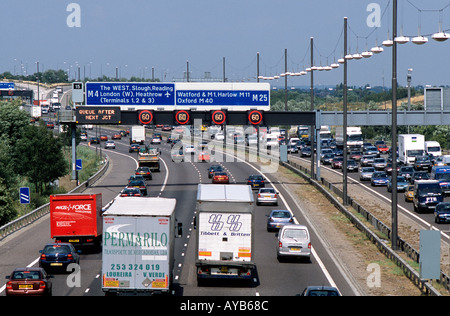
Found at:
<point>423,163</point>
<point>138,184</point>
<point>442,213</point>
<point>145,172</point>
<point>58,256</point>
<point>213,169</point>
<point>407,172</point>
<point>94,140</point>
<point>134,148</point>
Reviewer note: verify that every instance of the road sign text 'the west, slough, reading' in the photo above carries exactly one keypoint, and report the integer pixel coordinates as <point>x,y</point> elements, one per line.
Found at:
<point>172,96</point>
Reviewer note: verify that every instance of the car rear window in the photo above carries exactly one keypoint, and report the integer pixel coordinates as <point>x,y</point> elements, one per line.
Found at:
<point>30,275</point>
<point>295,234</point>
<point>281,215</point>
<point>49,249</point>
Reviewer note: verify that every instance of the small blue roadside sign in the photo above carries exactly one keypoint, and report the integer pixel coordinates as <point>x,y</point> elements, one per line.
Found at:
<point>24,194</point>
<point>79,165</point>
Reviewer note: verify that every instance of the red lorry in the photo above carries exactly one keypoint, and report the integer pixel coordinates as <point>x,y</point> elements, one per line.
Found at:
<point>76,218</point>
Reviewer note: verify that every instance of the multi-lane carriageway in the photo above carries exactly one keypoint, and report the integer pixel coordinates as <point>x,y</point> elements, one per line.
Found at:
<point>180,180</point>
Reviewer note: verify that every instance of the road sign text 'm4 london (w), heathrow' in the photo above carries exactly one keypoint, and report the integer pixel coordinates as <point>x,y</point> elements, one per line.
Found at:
<point>171,96</point>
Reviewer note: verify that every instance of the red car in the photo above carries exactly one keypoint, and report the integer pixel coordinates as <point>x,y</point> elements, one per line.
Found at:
<point>204,156</point>
<point>337,163</point>
<point>383,148</point>
<point>29,282</point>
<point>117,136</point>
<point>220,177</point>
<point>103,137</point>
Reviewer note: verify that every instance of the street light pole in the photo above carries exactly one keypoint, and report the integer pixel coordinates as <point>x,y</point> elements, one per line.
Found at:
<point>394,232</point>
<point>312,128</point>
<point>344,128</point>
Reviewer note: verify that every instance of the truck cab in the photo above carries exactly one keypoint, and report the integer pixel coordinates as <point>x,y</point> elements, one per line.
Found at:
<point>427,195</point>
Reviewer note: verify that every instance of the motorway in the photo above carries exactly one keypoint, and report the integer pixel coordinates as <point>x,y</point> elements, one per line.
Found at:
<point>180,180</point>
<point>359,188</point>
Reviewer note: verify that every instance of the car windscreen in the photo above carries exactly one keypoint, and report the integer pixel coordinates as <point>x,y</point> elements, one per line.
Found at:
<point>30,275</point>
<point>429,189</point>
<point>442,176</point>
<point>281,215</point>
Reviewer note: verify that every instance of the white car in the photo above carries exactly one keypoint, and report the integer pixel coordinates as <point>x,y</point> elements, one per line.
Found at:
<point>110,144</point>
<point>189,150</point>
<point>156,140</point>
<point>219,136</point>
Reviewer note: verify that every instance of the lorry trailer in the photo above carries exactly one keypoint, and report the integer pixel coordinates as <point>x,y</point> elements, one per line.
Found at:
<point>138,246</point>
<point>225,232</point>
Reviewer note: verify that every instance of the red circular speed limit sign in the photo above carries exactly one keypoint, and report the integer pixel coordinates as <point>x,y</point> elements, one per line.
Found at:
<point>145,117</point>
<point>219,117</point>
<point>255,117</point>
<point>182,117</point>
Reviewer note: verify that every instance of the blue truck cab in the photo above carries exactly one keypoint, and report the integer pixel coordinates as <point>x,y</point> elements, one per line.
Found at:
<point>442,174</point>
<point>427,195</point>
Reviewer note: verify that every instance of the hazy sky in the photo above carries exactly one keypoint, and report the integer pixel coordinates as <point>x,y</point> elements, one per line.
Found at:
<point>136,35</point>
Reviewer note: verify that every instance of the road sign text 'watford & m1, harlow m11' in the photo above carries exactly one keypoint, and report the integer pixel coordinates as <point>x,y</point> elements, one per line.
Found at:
<point>170,96</point>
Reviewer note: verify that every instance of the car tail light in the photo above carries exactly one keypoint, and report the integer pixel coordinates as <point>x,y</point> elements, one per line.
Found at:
<point>275,196</point>
<point>9,285</point>
<point>259,195</point>
<point>69,256</point>
<point>137,194</point>
<point>291,220</point>
<point>280,245</point>
<point>42,285</point>
<point>309,246</point>
<point>43,256</point>
<point>123,194</point>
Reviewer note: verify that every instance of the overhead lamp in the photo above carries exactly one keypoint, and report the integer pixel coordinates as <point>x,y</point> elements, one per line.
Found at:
<point>367,54</point>
<point>327,68</point>
<point>341,60</point>
<point>275,77</point>
<point>388,43</point>
<point>334,65</point>
<point>401,39</point>
<point>377,50</point>
<point>308,69</point>
<point>314,68</point>
<point>441,36</point>
<point>357,56</point>
<point>303,73</point>
<point>420,40</point>
<point>349,57</point>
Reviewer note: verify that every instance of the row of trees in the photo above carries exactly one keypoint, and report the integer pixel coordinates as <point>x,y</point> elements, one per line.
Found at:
<point>29,155</point>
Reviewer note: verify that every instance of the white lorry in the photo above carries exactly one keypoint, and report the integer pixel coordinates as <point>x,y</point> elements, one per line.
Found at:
<point>225,232</point>
<point>354,137</point>
<point>137,134</point>
<point>138,245</point>
<point>410,146</point>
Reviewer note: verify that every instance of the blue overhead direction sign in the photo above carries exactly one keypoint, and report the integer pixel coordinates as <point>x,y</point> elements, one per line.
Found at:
<point>7,85</point>
<point>232,96</point>
<point>24,195</point>
<point>179,96</point>
<point>130,94</point>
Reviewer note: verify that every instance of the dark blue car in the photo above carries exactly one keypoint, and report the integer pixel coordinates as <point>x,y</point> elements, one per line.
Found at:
<point>379,178</point>
<point>57,256</point>
<point>256,181</point>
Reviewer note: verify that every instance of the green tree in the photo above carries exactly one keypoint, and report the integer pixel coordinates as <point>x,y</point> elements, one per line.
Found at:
<point>39,157</point>
<point>7,210</point>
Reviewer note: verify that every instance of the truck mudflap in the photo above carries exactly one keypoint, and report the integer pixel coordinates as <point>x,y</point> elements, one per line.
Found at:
<point>239,271</point>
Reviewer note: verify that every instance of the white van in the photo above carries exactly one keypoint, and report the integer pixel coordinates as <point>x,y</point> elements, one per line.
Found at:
<point>433,148</point>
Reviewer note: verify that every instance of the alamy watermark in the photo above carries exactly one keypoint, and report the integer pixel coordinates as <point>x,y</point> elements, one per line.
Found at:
<point>74,18</point>
<point>374,18</point>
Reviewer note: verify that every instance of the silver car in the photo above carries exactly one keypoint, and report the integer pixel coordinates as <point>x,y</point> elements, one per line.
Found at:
<point>294,241</point>
<point>366,173</point>
<point>110,144</point>
<point>279,218</point>
<point>267,196</point>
